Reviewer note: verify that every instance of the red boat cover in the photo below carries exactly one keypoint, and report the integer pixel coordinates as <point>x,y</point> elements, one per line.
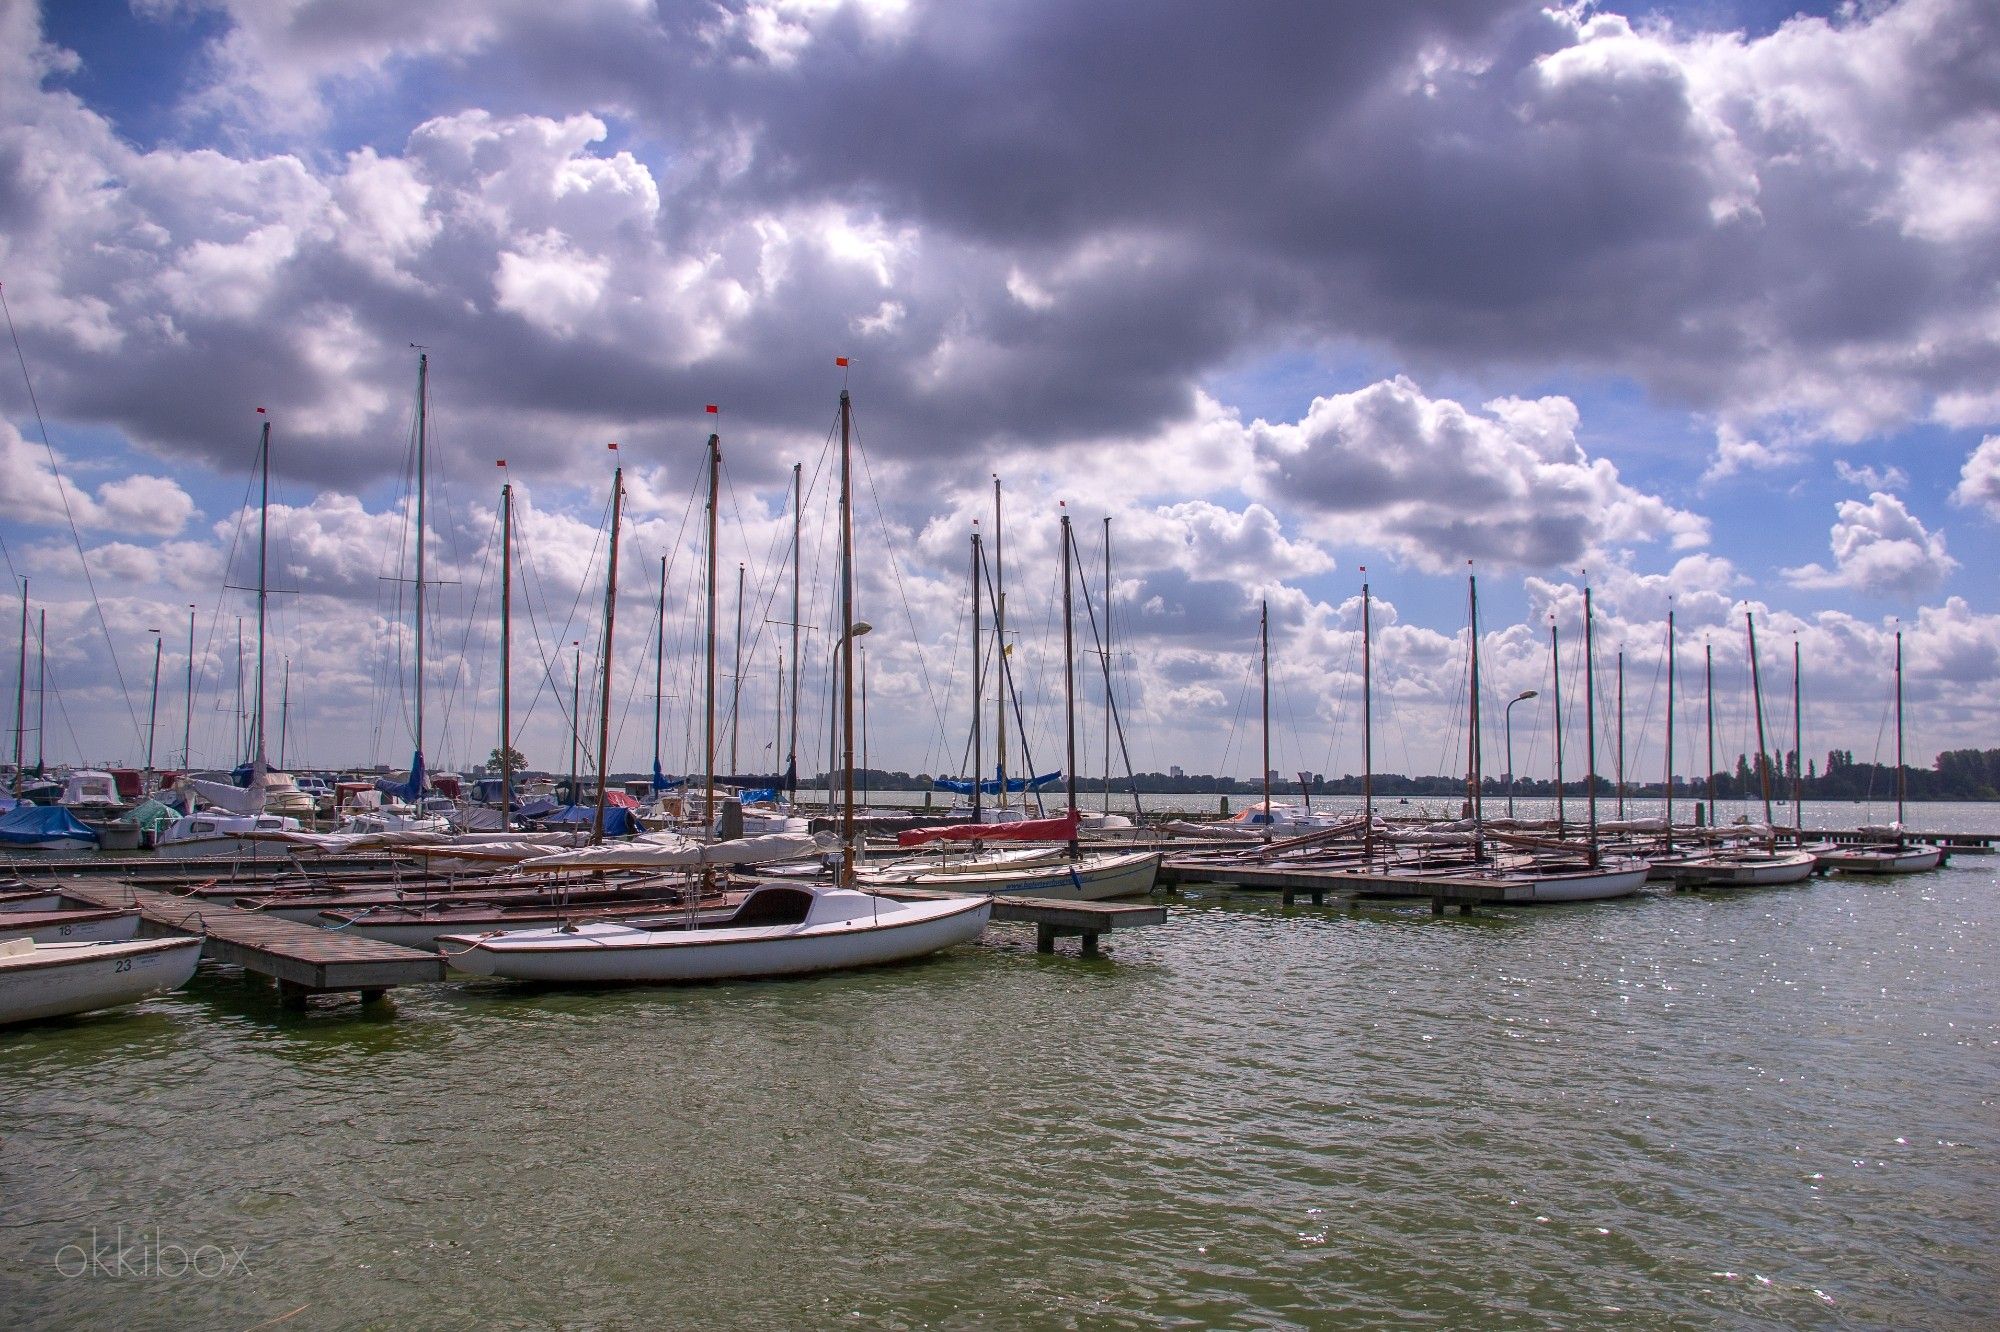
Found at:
<point>1028,830</point>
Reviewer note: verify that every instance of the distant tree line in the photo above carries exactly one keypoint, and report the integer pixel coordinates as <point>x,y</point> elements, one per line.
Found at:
<point>1957,774</point>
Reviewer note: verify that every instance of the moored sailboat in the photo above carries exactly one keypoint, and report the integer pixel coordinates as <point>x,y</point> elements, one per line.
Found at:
<point>778,929</point>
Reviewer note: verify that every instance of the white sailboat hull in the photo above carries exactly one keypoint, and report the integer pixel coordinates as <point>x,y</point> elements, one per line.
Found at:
<point>1094,878</point>
<point>1886,860</point>
<point>621,954</point>
<point>1583,886</point>
<point>59,979</point>
<point>1748,871</point>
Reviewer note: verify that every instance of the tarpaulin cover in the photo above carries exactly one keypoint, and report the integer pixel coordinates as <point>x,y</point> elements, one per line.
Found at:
<point>1027,830</point>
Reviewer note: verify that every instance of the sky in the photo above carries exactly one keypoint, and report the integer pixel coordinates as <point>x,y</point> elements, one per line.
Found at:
<point>1697,306</point>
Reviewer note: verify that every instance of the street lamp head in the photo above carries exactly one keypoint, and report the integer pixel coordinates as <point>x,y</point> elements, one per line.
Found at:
<point>860,627</point>
<point>1526,694</point>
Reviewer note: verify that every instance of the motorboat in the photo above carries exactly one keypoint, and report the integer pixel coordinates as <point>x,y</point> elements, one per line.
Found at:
<point>209,833</point>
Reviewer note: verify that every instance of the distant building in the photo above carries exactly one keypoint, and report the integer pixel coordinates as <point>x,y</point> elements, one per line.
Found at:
<point>1175,772</point>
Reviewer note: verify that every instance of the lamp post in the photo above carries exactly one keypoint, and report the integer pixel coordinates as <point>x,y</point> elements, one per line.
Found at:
<point>1507,717</point>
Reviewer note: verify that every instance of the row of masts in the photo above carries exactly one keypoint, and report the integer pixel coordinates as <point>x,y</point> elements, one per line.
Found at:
<point>1475,786</point>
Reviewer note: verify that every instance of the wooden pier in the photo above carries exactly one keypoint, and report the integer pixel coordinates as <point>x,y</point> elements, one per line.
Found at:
<point>1318,886</point>
<point>304,959</point>
<point>1053,918</point>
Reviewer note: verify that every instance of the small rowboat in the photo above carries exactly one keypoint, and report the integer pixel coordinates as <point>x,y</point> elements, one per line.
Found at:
<point>43,980</point>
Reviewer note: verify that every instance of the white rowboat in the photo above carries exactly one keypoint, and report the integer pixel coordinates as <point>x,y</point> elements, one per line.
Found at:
<point>43,980</point>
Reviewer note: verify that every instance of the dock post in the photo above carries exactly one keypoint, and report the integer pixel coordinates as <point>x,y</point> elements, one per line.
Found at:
<point>292,995</point>
<point>375,995</point>
<point>1465,908</point>
<point>1288,897</point>
<point>1437,906</point>
<point>1045,938</point>
<point>1089,946</point>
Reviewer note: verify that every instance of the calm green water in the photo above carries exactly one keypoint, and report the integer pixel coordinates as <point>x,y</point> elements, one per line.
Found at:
<point>1775,1109</point>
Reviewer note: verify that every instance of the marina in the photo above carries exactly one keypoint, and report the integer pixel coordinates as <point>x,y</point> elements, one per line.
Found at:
<point>873,664</point>
<point>1634,1097</point>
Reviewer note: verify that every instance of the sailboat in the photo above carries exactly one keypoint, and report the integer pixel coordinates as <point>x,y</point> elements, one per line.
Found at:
<point>267,799</point>
<point>1896,856</point>
<point>1558,878</point>
<point>777,929</point>
<point>1743,866</point>
<point>1076,875</point>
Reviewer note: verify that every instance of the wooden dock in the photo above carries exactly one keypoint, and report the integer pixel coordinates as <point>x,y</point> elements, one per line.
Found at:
<point>304,959</point>
<point>1318,886</point>
<point>1053,918</point>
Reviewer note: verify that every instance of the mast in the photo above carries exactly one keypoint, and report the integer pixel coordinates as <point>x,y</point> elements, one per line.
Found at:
<point>659,674</point>
<point>1556,664</point>
<point>1590,722</point>
<point>21,692</point>
<point>864,724</point>
<point>187,714</point>
<point>42,689</point>
<point>1367,727</point>
<point>257,759</point>
<point>1757,701</point>
<point>507,657</point>
<point>1799,757</point>
<point>1708,700</point>
<point>423,407</point>
<point>1899,737</point>
<point>1000,659</point>
<point>792,745</point>
<point>241,716</point>
<point>610,622</point>
<point>1069,682</point>
<point>1264,650</point>
<point>575,715</point>
<point>708,688</point>
<point>152,709</point>
<point>736,683</point>
<point>847,640</point>
<point>978,681</point>
<point>1669,846</point>
<point>1106,800</point>
<point>284,713</point>
<point>1621,733</point>
<point>1472,747</point>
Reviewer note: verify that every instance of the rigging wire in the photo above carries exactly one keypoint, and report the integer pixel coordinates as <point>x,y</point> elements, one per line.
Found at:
<point>76,537</point>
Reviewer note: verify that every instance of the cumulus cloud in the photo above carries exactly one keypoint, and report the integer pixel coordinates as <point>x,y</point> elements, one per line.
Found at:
<point>153,506</point>
<point>1871,478</point>
<point>1979,480</point>
<point>1881,549</point>
<point>1439,484</point>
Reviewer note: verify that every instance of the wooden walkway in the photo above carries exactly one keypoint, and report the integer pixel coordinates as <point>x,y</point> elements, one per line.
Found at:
<point>303,959</point>
<point>1053,918</point>
<point>1443,890</point>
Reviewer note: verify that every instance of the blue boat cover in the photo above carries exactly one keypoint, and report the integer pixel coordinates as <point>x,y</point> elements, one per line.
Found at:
<point>413,788</point>
<point>617,822</point>
<point>28,824</point>
<point>960,786</point>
